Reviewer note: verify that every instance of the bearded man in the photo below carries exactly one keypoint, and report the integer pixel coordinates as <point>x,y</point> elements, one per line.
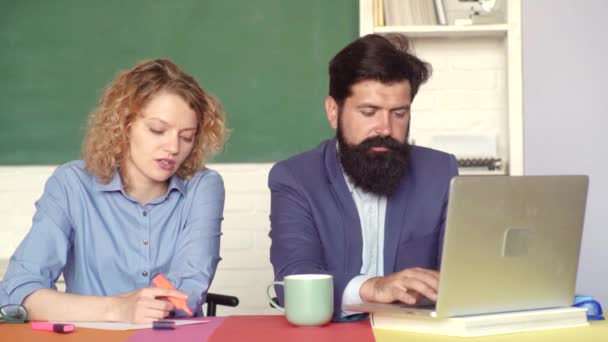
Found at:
<point>365,207</point>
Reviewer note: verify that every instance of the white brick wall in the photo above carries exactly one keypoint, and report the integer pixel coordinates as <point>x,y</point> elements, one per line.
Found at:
<point>245,267</point>
<point>467,91</point>
<point>465,95</point>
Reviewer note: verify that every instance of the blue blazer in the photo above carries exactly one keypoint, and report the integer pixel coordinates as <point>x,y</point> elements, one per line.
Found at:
<point>315,225</point>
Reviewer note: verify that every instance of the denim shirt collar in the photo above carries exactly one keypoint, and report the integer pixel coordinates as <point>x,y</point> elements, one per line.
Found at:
<point>115,184</point>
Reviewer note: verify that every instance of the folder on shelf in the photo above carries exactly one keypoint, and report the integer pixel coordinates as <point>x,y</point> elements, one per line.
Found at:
<point>442,18</point>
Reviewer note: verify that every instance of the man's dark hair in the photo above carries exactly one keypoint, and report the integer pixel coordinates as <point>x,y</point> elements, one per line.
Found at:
<point>375,57</point>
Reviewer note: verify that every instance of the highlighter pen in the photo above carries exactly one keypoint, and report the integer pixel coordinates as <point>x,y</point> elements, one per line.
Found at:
<point>179,303</point>
<point>163,325</point>
<point>56,327</point>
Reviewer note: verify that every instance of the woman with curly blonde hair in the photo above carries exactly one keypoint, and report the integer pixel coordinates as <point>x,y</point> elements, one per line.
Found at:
<point>141,203</point>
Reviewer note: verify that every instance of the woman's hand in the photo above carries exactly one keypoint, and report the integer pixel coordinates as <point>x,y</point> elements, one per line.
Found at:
<point>144,305</point>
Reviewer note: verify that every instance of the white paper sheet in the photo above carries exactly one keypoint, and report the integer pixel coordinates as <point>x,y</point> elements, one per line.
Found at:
<point>126,326</point>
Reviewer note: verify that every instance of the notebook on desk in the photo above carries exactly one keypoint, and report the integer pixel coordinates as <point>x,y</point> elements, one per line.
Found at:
<point>511,243</point>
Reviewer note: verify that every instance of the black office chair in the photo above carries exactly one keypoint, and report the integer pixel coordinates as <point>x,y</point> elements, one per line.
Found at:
<point>274,300</point>
<point>214,299</point>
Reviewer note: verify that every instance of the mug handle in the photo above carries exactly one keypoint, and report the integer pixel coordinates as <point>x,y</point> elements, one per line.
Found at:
<point>270,298</point>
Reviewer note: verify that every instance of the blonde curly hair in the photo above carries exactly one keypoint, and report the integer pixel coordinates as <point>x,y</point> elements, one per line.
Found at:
<point>106,144</point>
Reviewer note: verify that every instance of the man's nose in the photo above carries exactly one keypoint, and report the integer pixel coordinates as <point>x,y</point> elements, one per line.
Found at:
<point>383,124</point>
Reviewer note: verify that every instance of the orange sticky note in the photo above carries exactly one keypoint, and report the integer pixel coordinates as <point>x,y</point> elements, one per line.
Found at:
<point>180,303</point>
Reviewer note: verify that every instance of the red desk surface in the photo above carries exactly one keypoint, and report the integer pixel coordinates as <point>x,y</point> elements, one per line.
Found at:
<point>276,328</point>
<point>219,329</point>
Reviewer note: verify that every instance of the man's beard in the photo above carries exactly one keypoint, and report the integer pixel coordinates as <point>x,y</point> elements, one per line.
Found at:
<point>376,172</point>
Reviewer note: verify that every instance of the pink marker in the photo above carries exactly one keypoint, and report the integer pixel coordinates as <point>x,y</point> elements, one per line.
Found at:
<point>56,327</point>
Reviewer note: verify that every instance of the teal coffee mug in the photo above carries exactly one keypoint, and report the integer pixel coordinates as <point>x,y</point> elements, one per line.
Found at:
<point>309,298</point>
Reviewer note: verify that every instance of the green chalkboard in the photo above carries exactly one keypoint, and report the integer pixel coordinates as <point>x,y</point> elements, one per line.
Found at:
<point>265,59</point>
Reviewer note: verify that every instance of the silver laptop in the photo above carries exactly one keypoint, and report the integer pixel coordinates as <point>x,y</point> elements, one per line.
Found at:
<point>511,243</point>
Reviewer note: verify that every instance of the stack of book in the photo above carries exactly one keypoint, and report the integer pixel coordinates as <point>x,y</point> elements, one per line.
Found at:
<point>392,317</point>
<point>473,151</point>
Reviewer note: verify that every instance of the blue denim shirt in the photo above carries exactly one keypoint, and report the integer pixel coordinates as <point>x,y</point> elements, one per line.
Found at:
<point>106,243</point>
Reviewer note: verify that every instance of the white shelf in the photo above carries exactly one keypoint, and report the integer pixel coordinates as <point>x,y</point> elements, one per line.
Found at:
<point>508,41</point>
<point>441,31</point>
